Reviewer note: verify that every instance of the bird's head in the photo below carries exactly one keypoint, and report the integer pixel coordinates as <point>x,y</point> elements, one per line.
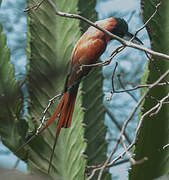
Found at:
<point>119,27</point>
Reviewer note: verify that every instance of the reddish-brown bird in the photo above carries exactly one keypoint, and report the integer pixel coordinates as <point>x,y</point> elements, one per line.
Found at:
<point>87,50</point>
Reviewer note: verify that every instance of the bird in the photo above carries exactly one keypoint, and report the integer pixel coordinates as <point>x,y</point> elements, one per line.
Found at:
<point>87,51</point>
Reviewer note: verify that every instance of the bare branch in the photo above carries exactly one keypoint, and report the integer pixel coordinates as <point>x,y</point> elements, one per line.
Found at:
<point>107,164</point>
<point>128,92</point>
<point>34,7</point>
<point>122,41</point>
<point>107,62</point>
<point>146,23</point>
<point>138,87</point>
<point>126,151</point>
<point>121,162</point>
<point>43,118</point>
<point>159,105</point>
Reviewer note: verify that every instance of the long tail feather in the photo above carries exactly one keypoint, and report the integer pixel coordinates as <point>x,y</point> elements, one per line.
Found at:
<point>53,148</point>
<point>65,112</point>
<point>66,108</point>
<point>52,118</point>
<point>70,110</point>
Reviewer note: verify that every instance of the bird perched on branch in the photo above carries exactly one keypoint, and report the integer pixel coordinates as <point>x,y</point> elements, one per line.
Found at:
<point>87,50</point>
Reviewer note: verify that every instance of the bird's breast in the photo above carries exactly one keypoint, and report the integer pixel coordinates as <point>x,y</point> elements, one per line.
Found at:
<point>88,51</point>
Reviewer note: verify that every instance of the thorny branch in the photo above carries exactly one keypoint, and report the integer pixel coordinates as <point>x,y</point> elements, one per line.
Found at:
<point>151,112</point>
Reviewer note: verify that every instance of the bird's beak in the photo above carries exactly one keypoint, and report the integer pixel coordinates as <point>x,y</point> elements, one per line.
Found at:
<point>137,40</point>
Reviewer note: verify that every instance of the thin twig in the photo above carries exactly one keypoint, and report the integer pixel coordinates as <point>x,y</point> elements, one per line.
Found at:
<point>121,162</point>
<point>43,118</point>
<point>34,7</point>
<point>138,87</point>
<point>132,160</point>
<point>141,119</point>
<point>127,152</point>
<point>108,61</point>
<point>146,23</point>
<point>113,88</point>
<point>166,146</point>
<point>156,67</point>
<point>107,164</point>
<point>122,41</point>
<point>159,105</point>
